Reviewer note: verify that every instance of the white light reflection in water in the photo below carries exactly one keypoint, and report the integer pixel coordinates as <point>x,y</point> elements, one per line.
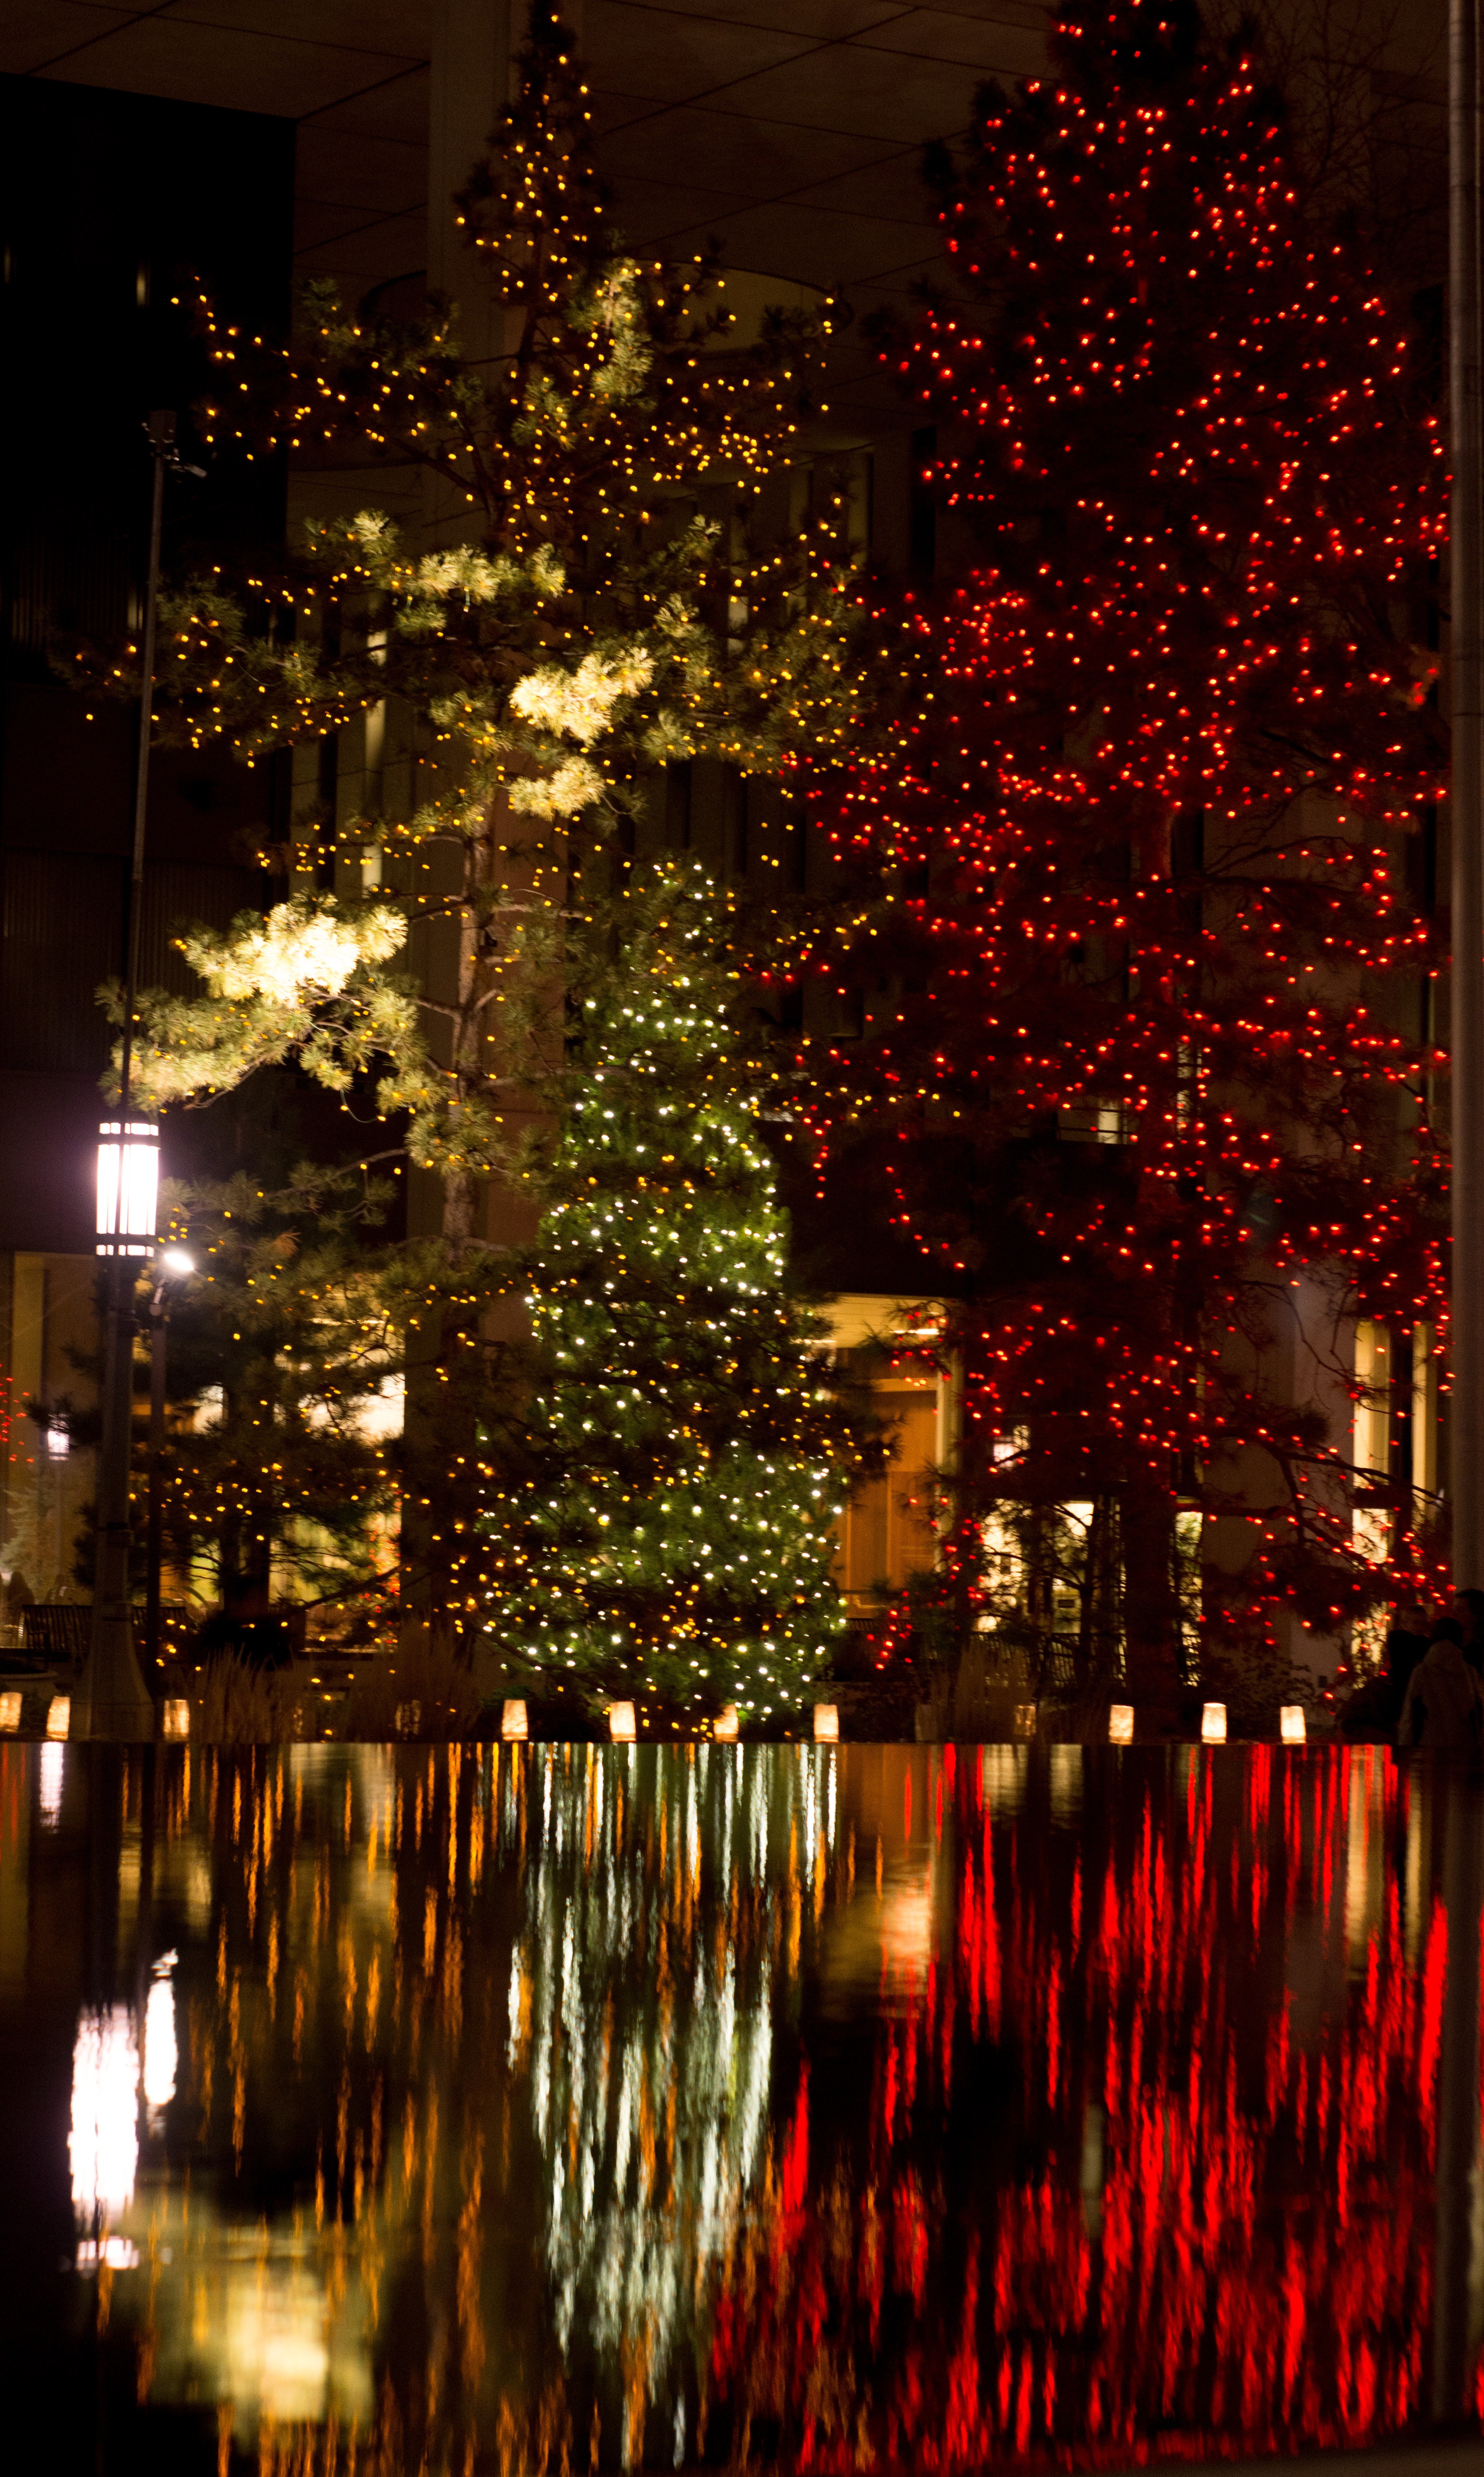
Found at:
<point>1067,1786</point>
<point>634,2215</point>
<point>1004,1769</point>
<point>259,2320</point>
<point>281,2349</point>
<point>54,1758</point>
<point>162,2054</point>
<point>114,2253</point>
<point>104,2142</point>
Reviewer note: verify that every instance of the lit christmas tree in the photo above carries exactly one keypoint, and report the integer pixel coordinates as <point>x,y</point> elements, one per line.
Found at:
<point>670,1531</point>
<point>589,625</point>
<point>277,1482</point>
<point>1148,1053</point>
<point>586,620</point>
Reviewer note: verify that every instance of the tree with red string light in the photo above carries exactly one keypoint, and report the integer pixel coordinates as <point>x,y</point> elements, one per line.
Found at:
<point>1144,1059</point>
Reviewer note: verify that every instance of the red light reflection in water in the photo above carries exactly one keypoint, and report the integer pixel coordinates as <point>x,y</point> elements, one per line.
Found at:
<point>1149,2163</point>
<point>627,2107</point>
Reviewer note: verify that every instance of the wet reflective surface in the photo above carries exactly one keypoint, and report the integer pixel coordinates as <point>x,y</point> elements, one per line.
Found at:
<point>464,2109</point>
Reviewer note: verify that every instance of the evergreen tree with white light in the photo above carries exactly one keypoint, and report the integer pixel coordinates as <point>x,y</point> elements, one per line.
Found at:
<point>672,1532</point>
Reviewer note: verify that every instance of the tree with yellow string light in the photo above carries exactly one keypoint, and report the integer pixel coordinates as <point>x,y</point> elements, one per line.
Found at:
<point>594,596</point>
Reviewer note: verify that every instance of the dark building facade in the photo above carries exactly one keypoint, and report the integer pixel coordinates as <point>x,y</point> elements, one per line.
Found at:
<point>111,206</point>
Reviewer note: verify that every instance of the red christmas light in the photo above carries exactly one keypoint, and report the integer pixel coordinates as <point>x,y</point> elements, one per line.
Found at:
<point>1131,853</point>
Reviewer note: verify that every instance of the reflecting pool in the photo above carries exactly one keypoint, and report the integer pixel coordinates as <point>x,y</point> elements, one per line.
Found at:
<point>563,2108</point>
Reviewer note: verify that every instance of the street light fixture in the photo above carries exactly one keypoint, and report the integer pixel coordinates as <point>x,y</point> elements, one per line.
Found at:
<point>128,1185</point>
<point>112,1699</point>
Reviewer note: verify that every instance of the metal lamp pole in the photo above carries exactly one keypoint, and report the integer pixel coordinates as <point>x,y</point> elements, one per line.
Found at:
<point>112,1699</point>
<point>1466,556</point>
<point>173,1262</point>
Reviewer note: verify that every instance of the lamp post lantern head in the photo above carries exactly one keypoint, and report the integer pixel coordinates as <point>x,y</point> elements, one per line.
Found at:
<point>128,1185</point>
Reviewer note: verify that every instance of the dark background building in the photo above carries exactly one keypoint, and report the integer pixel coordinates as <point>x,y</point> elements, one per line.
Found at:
<point>107,202</point>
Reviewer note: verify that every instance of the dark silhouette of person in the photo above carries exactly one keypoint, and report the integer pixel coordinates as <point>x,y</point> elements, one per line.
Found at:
<point>1468,1614</point>
<point>1406,1645</point>
<point>1443,1709</point>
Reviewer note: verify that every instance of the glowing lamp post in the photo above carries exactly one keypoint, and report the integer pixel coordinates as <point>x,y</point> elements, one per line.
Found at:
<point>128,1187</point>
<point>112,1699</point>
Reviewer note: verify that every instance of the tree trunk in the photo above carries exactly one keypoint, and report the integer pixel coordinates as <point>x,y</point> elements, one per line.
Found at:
<point>1098,1590</point>
<point>464,1338</point>
<point>246,1544</point>
<point>1151,1616</point>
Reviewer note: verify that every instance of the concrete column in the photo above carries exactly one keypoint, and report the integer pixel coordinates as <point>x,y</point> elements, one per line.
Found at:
<point>1466,561</point>
<point>1459,1807</point>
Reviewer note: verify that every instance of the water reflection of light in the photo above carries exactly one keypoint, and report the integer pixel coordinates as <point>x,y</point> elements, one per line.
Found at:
<point>104,2142</point>
<point>907,1928</point>
<point>273,2329</point>
<point>53,1762</point>
<point>1364,1832</point>
<point>277,2341</point>
<point>161,2052</point>
<point>877,1949</point>
<point>1066,1784</point>
<point>656,2139</point>
<point>1004,1778</point>
<point>1417,1818</point>
<point>114,2253</point>
<point>642,1929</point>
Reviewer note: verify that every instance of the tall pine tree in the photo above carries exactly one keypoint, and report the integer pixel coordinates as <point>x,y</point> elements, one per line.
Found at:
<point>1145,1055</point>
<point>671,1529</point>
<point>277,1483</point>
<point>598,609</point>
